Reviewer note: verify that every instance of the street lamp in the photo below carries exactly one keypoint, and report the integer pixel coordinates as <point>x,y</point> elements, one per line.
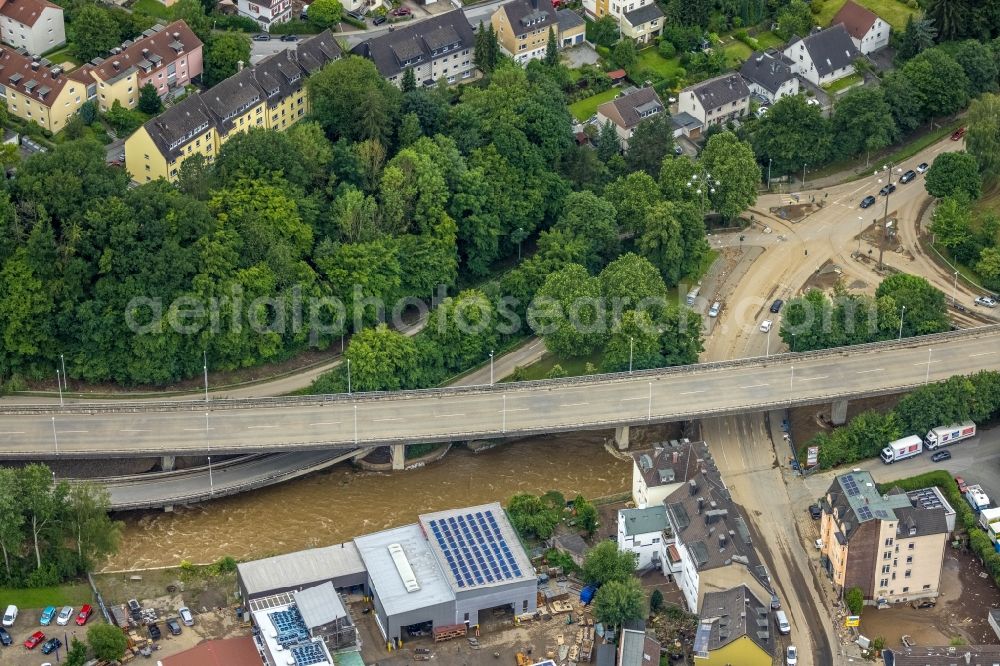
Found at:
<point>491,367</point>
<point>901,314</point>
<point>348,376</point>
<point>804,165</point>
<point>861,230</point>
<point>954,290</point>
<point>630,347</point>
<point>204,358</point>
<point>59,384</point>
<point>208,442</point>
<point>769,174</point>
<point>703,187</point>
<point>62,358</point>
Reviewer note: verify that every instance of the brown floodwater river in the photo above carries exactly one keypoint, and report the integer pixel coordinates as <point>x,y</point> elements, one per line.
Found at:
<point>336,505</point>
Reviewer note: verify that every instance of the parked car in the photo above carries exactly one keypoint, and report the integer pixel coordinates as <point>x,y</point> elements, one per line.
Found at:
<point>958,134</point>
<point>908,176</point>
<point>986,301</point>
<point>867,201</point>
<point>762,110</point>
<point>765,325</point>
<point>9,616</point>
<point>154,632</point>
<point>791,656</point>
<point>289,38</point>
<point>5,638</point>
<point>186,617</point>
<point>812,101</point>
<point>887,189</point>
<point>815,512</point>
<point>174,627</point>
<point>379,20</point>
<point>357,16</point>
<point>678,151</point>
<point>924,603</point>
<point>923,167</point>
<point>47,615</point>
<point>64,616</point>
<point>714,310</point>
<point>401,11</point>
<point>262,37</point>
<point>51,645</point>
<point>34,639</point>
<point>775,602</point>
<point>84,615</point>
<point>962,488</point>
<point>776,306</point>
<point>941,455</point>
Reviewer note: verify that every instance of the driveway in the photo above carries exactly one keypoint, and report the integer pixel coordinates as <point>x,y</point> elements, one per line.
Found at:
<point>578,56</point>
<point>261,50</point>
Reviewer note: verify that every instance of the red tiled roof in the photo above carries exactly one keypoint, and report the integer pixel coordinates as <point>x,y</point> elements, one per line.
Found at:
<point>227,652</point>
<point>617,74</point>
<point>25,11</point>
<point>17,73</point>
<point>158,44</point>
<point>856,19</point>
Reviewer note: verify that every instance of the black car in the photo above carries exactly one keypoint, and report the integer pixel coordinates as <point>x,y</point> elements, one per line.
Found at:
<point>925,603</point>
<point>815,511</point>
<point>775,602</point>
<point>173,626</point>
<point>867,201</point>
<point>357,16</point>
<point>887,189</point>
<point>51,645</point>
<point>154,632</point>
<point>776,306</point>
<point>289,38</point>
<point>908,176</point>
<point>378,20</point>
<point>941,455</point>
<point>5,638</point>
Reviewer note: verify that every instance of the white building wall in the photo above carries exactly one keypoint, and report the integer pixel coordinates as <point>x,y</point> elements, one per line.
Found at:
<point>687,578</point>
<point>688,102</point>
<point>876,38</point>
<point>49,32</point>
<point>648,547</point>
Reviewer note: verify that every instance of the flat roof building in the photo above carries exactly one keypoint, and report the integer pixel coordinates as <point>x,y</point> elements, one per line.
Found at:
<point>340,565</point>
<point>302,628</point>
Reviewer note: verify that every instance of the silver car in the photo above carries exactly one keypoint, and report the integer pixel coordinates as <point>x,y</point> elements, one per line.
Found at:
<point>986,301</point>
<point>64,616</point>
<point>186,617</point>
<point>714,310</point>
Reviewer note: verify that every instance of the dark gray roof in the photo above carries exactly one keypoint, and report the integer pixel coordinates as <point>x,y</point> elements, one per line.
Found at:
<point>657,465</point>
<point>279,76</point>
<point>831,49</point>
<point>631,109</point>
<point>535,14</point>
<point>720,91</point>
<point>171,129</point>
<point>569,19</point>
<point>962,655</point>
<point>730,614</point>
<point>390,51</point>
<point>320,605</point>
<point>317,51</point>
<point>766,70</point>
<point>606,655</point>
<point>232,97</point>
<point>644,14</point>
<point>856,500</point>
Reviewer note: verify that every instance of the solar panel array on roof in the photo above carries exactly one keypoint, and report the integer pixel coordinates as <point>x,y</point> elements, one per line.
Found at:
<point>306,655</point>
<point>864,513</point>
<point>289,625</point>
<point>475,548</point>
<point>850,486</point>
<point>881,513</point>
<point>925,498</point>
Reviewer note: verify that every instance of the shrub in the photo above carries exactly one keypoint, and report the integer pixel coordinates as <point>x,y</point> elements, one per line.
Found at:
<point>667,49</point>
<point>855,600</point>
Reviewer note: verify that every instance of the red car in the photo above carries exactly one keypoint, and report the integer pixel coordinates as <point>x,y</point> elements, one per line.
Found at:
<point>962,488</point>
<point>34,640</point>
<point>401,11</point>
<point>84,615</point>
<point>958,134</point>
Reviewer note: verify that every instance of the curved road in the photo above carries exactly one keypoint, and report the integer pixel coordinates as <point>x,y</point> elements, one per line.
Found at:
<point>343,421</point>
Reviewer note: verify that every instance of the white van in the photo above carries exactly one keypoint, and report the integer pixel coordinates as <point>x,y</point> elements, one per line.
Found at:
<point>693,294</point>
<point>783,627</point>
<point>10,615</point>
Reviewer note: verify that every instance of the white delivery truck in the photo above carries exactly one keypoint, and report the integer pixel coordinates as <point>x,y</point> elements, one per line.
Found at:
<point>977,499</point>
<point>987,517</point>
<point>902,449</point>
<point>948,435</point>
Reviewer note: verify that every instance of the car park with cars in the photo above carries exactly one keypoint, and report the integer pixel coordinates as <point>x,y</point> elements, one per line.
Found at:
<point>867,201</point>
<point>923,167</point>
<point>791,656</point>
<point>941,455</point>
<point>186,617</point>
<point>986,301</point>
<point>5,638</point>
<point>51,645</point>
<point>174,627</point>
<point>714,310</point>
<point>47,615</point>
<point>154,632</point>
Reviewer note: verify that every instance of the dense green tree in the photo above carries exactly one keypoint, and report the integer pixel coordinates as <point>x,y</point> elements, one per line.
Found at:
<point>632,196</point>
<point>919,35</point>
<point>632,282</point>
<point>193,13</point>
<point>791,134</point>
<point>409,83</point>
<point>988,267</point>
<point>680,336</point>
<point>862,438</point>
<point>623,54</point>
<point>325,13</point>
<point>982,139</point>
<point>591,219</point>
<point>795,19</point>
<point>409,130</point>
<point>924,74</point>
<point>382,360</point>
<point>925,305</point>
<point>551,50</point>
<point>149,100</point>
<point>608,143</point>
<point>487,54</point>
<point>429,107</point>
<point>655,602</point>
<point>661,242</point>
<point>954,174</point>
<point>87,519</point>
<point>11,517</point>
<point>979,63</point>
<point>862,122</point>
<point>223,54</point>
<point>951,222</point>
<point>904,101</point>
<point>674,178</point>
<point>604,564</point>
<point>950,17</point>
<point>313,149</point>
<point>651,142</point>
<point>634,338</point>
<point>586,514</point>
<point>123,120</point>
<point>619,602</point>
<point>94,32</point>
<point>76,654</point>
<point>531,516</point>
<point>463,330</point>
<point>41,505</point>
<point>341,88</point>
<point>959,398</point>
<point>362,274</point>
<point>262,153</point>
<point>107,642</point>
<point>605,31</point>
<point>569,313</point>
<point>855,600</point>
<point>733,165</point>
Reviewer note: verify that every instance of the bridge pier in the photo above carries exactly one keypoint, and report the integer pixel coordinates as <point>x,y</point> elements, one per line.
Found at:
<point>838,412</point>
<point>167,463</point>
<point>621,437</point>
<point>398,457</point>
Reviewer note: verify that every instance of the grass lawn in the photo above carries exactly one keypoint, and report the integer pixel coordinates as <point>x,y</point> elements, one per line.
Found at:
<point>990,201</point>
<point>587,107</point>
<point>844,83</point>
<point>769,40</point>
<point>153,8</point>
<point>893,12</point>
<point>74,594</point>
<point>574,367</point>
<point>63,54</point>
<point>651,60</point>
<point>736,52</point>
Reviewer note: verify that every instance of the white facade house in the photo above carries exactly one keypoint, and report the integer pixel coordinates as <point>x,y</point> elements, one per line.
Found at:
<point>823,57</point>
<point>643,532</point>
<point>628,111</point>
<point>34,25</point>
<point>265,12</point>
<point>659,471</point>
<point>769,76</point>
<point>868,32</point>
<point>717,100</point>
<point>642,20</point>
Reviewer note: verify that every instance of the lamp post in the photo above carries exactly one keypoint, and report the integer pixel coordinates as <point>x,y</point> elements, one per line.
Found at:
<point>902,313</point>
<point>885,218</point>
<point>769,174</point>
<point>767,350</point>
<point>861,230</point>
<point>59,384</point>
<point>630,347</point>
<point>703,185</point>
<point>649,408</point>
<point>62,359</point>
<point>491,367</point>
<point>348,376</point>
<point>204,358</point>
<point>804,165</point>
<point>927,376</point>
<point>520,238</point>
<point>954,290</point>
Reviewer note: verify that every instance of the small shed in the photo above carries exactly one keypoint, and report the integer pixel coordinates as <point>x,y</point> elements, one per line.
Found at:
<point>617,76</point>
<point>572,544</point>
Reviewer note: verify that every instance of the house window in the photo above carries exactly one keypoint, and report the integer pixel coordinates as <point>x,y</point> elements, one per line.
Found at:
<point>909,559</point>
<point>885,569</point>
<point>911,545</point>
<point>883,583</point>
<point>905,590</point>
<point>927,587</point>
<point>907,574</point>
<point>888,542</point>
<point>887,555</point>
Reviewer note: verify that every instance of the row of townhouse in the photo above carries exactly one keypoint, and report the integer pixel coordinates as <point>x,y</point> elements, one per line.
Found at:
<point>269,95</point>
<point>522,28</point>
<point>37,90</point>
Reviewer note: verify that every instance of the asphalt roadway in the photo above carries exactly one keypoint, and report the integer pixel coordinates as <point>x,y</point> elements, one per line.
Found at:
<point>97,430</point>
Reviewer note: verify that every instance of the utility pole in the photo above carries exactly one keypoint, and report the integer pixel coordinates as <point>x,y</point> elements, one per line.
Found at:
<point>59,384</point>
<point>62,358</point>
<point>861,230</point>
<point>204,357</point>
<point>769,174</point>
<point>927,377</point>
<point>902,313</point>
<point>349,377</point>
<point>954,290</point>
<point>630,346</point>
<point>804,165</point>
<point>503,426</point>
<point>885,218</point>
<point>491,367</point>
<point>649,409</point>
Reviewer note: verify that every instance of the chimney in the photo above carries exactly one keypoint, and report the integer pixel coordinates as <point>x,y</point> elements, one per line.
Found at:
<point>239,66</point>
<point>177,35</point>
<point>116,64</point>
<point>675,457</point>
<point>145,51</point>
<point>34,65</point>
<point>714,505</point>
<point>701,504</point>
<point>722,540</point>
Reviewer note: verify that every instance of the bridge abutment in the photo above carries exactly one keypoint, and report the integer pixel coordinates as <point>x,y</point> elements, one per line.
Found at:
<point>167,463</point>
<point>838,412</point>
<point>398,457</point>
<point>621,437</point>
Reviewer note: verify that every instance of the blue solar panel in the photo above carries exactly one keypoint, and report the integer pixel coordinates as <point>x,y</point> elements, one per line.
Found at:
<point>306,655</point>
<point>475,549</point>
<point>289,626</point>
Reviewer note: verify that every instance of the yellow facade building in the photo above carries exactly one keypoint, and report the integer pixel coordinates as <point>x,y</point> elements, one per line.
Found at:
<point>736,628</point>
<point>270,95</point>
<point>523,26</point>
<point>36,90</point>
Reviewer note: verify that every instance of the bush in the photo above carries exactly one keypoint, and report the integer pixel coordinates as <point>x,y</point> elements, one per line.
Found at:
<point>297,27</point>
<point>235,22</point>
<point>667,49</point>
<point>855,600</point>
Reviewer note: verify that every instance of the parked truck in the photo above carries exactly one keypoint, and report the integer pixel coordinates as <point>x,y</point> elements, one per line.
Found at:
<point>948,435</point>
<point>902,449</point>
<point>988,517</point>
<point>976,498</point>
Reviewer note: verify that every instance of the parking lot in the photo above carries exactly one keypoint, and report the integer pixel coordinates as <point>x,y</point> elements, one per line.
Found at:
<point>28,623</point>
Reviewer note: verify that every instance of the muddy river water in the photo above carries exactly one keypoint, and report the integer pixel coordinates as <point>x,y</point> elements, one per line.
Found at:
<point>343,502</point>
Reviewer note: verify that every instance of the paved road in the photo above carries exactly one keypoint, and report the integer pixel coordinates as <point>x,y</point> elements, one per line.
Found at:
<point>97,430</point>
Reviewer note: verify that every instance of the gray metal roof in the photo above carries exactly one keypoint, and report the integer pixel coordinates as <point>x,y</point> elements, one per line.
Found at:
<point>830,49</point>
<point>319,605</point>
<point>638,649</point>
<point>720,90</point>
<point>730,614</point>
<point>568,19</point>
<point>385,578</point>
<point>434,33</point>
<point>302,568</point>
<point>644,521</point>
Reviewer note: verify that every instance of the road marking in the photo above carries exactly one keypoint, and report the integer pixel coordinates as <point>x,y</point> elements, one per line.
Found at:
<point>980,354</point>
<point>263,426</point>
<point>69,432</point>
<point>809,379</point>
<point>393,419</point>
<point>575,404</point>
<point>534,345</point>
<point>198,429</point>
<point>514,409</point>
<point>325,423</point>
<point>642,398</point>
<point>447,416</point>
<point>135,431</point>
<point>11,433</point>
<point>691,392</point>
<point>864,372</point>
<point>750,386</point>
<point>926,362</point>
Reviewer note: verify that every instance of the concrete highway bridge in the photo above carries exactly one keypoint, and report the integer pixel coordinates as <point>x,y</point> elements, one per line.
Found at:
<point>351,422</point>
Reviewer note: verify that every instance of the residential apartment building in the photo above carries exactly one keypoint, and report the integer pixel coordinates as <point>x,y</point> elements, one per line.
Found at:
<point>36,90</point>
<point>269,95</point>
<point>868,32</point>
<point>717,100</point>
<point>659,471</point>
<point>643,532</point>
<point>265,12</point>
<point>523,27</point>
<point>735,628</point>
<point>166,57</point>
<point>890,546</point>
<point>711,539</point>
<point>824,56</point>
<point>34,25</point>
<point>769,76</point>
<point>642,20</point>
<point>442,47</point>
<point>628,111</point>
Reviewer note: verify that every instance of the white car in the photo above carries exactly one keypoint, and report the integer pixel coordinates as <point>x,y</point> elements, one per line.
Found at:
<point>812,101</point>
<point>791,656</point>
<point>765,326</point>
<point>64,616</point>
<point>762,110</point>
<point>186,617</point>
<point>986,301</point>
<point>922,167</point>
<point>714,310</point>
<point>9,616</point>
